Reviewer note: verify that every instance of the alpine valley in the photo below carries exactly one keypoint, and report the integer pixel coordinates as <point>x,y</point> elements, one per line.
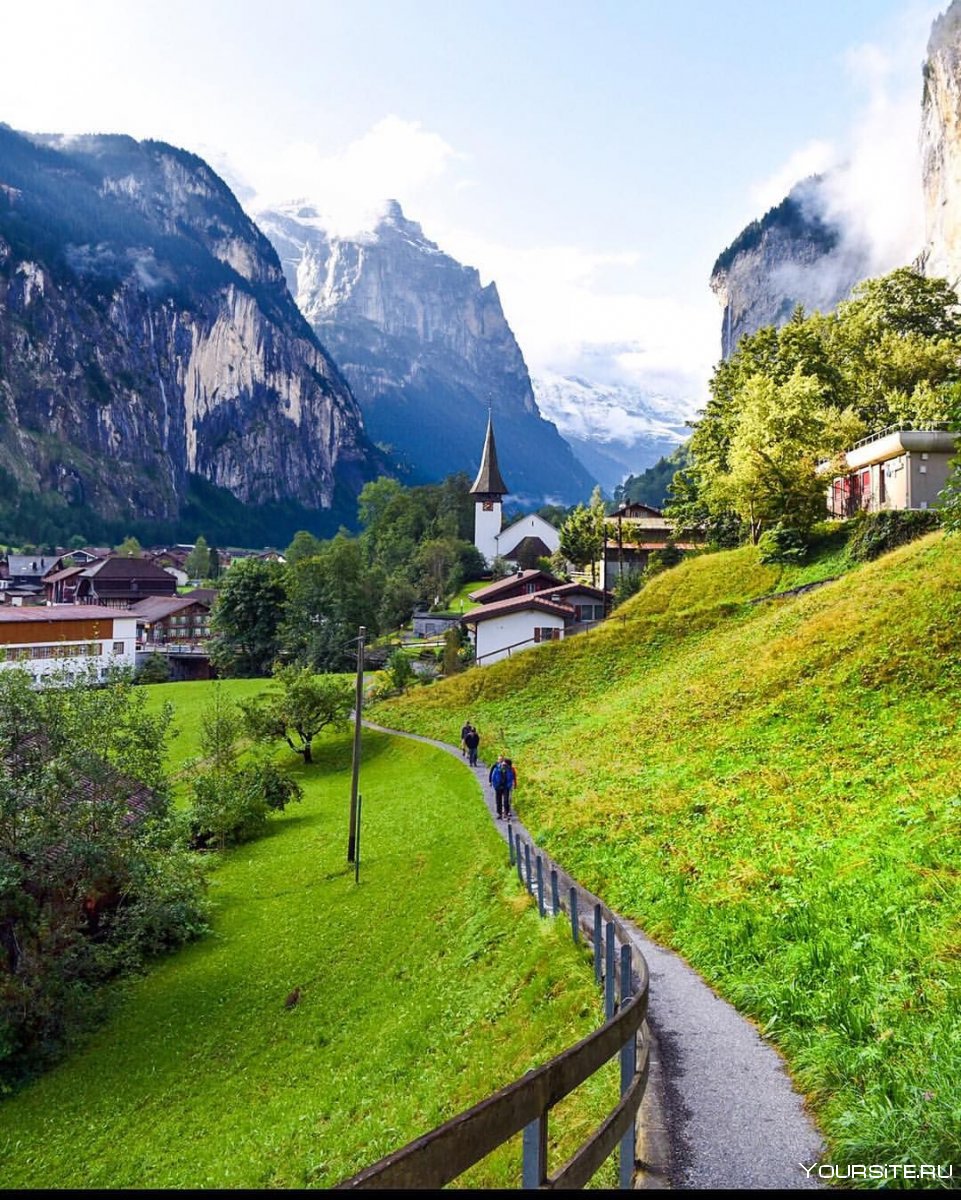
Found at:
<point>426,349</point>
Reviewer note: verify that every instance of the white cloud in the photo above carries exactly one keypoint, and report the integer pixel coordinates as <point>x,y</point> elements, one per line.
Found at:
<point>394,159</point>
<point>811,159</point>
<point>568,320</point>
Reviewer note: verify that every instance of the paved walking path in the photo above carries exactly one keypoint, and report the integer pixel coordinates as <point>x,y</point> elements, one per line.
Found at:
<point>720,1109</point>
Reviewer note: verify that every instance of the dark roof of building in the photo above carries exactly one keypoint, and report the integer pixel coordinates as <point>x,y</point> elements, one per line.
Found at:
<point>120,567</point>
<point>569,589</point>
<point>64,574</point>
<point>634,508</point>
<point>204,595</point>
<point>528,546</point>
<point>155,608</point>
<point>536,600</point>
<point>489,481</point>
<point>32,564</point>
<point>492,590</point>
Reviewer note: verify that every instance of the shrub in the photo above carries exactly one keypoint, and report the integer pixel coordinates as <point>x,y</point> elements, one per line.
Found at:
<point>782,544</point>
<point>876,533</point>
<point>155,668</point>
<point>627,586</point>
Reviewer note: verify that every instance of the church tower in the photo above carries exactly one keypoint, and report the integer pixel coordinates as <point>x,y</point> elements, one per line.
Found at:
<point>488,491</point>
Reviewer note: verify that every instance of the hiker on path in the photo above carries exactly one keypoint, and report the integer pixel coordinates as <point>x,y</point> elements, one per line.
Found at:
<point>472,741</point>
<point>463,737</point>
<point>510,782</point>
<point>497,778</point>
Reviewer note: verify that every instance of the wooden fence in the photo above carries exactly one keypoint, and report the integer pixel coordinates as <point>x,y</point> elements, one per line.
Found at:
<point>438,1157</point>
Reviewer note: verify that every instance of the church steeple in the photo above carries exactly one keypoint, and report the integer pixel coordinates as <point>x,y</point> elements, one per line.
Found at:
<point>488,491</point>
<point>489,482</point>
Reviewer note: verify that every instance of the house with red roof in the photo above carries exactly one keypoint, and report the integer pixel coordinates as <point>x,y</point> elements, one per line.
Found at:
<point>526,609</point>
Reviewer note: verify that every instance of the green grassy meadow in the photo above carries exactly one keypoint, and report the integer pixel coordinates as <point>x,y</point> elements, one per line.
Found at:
<point>424,987</point>
<point>773,790</point>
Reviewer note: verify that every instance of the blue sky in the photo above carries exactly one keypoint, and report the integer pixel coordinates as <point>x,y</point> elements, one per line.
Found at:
<point>593,158</point>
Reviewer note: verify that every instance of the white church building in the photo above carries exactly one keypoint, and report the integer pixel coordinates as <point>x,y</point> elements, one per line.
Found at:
<point>530,536</point>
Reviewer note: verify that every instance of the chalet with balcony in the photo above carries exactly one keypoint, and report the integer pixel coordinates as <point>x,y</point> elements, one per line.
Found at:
<point>631,535</point>
<point>177,627</point>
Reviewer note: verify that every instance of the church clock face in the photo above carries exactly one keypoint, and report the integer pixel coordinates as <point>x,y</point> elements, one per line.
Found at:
<point>488,506</point>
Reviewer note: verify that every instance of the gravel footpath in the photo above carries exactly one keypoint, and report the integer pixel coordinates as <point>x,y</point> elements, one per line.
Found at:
<point>720,1109</point>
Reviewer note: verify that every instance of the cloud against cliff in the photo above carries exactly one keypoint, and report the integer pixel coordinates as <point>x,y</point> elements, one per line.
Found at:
<point>394,158</point>
<point>872,177</point>
<point>812,159</point>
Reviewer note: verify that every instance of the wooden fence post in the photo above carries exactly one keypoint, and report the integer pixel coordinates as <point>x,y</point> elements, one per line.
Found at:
<point>555,898</point>
<point>540,885</point>
<point>628,1067</point>
<point>520,872</point>
<point>534,1163</point>
<point>575,925</point>
<point>527,864</point>
<point>510,841</point>
<point>610,973</point>
<point>597,943</point>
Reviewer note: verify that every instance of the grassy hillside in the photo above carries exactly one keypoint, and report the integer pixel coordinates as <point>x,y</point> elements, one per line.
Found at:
<point>774,790</point>
<point>423,987</point>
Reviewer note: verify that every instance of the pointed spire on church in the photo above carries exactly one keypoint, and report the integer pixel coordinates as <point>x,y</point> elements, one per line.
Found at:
<point>489,481</point>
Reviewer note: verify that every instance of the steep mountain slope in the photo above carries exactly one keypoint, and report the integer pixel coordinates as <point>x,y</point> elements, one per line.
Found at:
<point>775,791</point>
<point>793,255</point>
<point>426,348</point>
<point>147,337</point>
<point>941,146</point>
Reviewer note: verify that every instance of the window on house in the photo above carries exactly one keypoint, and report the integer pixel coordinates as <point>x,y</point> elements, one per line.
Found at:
<point>546,633</point>
<point>118,647</point>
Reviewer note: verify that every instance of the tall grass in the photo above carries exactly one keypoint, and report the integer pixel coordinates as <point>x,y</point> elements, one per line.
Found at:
<point>775,791</point>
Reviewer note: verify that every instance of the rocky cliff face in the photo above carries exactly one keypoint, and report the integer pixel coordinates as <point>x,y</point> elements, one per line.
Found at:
<point>147,336</point>
<point>425,348</point>
<point>794,255</point>
<point>941,147</point>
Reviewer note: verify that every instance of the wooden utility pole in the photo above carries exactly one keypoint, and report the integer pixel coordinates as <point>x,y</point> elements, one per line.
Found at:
<point>355,769</point>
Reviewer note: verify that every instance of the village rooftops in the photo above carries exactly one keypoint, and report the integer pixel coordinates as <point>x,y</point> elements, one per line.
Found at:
<point>62,612</point>
<point>493,591</point>
<point>537,600</point>
<point>31,566</point>
<point>155,608</point>
<point>66,573</point>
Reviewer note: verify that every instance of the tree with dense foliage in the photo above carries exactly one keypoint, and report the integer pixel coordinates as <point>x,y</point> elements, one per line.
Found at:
<point>582,535</point>
<point>330,594</point>
<point>247,616</point>
<point>197,564</point>
<point>303,545</point>
<point>299,707</point>
<point>231,798</point>
<point>94,876</point>
<point>129,548</point>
